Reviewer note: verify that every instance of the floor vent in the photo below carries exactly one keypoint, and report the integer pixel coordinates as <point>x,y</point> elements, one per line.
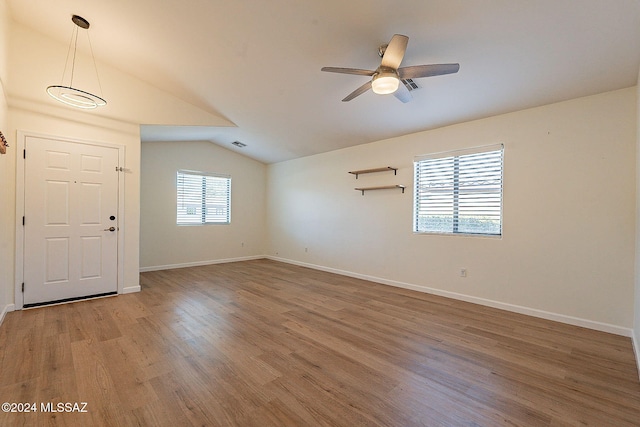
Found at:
<point>238,144</point>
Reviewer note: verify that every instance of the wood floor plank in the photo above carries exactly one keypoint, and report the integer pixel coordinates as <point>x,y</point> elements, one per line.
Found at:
<point>263,343</point>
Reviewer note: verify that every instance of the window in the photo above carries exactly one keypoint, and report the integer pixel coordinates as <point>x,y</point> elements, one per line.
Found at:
<point>459,192</point>
<point>203,198</point>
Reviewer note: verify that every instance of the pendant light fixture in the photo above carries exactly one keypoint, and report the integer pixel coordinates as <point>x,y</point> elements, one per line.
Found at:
<point>68,94</point>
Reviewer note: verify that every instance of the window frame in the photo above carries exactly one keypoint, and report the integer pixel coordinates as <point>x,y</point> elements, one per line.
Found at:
<point>455,215</point>
<point>203,201</point>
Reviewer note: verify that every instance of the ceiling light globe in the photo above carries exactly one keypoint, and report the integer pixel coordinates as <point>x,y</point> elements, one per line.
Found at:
<point>385,83</point>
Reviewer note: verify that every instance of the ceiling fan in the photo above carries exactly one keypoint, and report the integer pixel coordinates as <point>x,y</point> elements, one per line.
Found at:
<point>387,77</point>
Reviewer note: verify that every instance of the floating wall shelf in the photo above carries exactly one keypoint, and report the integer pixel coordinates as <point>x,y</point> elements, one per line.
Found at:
<point>384,187</point>
<point>384,169</point>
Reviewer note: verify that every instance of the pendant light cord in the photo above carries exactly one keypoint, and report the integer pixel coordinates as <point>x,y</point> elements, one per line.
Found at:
<point>73,62</point>
<point>74,42</point>
<point>66,61</point>
<point>95,66</point>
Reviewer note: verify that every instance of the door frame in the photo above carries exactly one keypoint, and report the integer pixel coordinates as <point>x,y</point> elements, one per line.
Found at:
<point>20,199</point>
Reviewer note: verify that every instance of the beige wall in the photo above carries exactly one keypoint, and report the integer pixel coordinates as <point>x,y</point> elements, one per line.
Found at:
<point>164,244</point>
<point>569,202</point>
<point>6,178</point>
<point>636,324</point>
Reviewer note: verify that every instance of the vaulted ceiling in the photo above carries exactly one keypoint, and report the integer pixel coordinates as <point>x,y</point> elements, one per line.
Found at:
<point>257,63</point>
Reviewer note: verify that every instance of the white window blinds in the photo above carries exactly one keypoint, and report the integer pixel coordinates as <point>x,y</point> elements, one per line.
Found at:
<point>459,192</point>
<point>203,198</point>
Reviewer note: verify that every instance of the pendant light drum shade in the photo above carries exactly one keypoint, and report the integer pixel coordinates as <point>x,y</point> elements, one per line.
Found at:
<point>67,94</point>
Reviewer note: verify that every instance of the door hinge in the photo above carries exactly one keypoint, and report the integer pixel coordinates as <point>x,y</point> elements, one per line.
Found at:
<point>24,153</point>
<point>23,220</point>
<point>22,287</point>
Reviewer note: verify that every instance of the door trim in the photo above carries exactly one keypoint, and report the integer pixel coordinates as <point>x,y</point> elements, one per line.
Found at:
<point>20,198</point>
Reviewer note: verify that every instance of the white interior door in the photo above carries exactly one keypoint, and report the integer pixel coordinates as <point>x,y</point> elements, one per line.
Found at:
<point>71,224</point>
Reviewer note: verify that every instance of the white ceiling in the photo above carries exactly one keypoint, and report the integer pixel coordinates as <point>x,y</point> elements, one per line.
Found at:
<point>257,63</point>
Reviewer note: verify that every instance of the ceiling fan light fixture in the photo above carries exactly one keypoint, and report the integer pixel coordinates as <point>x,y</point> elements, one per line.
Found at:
<point>387,77</point>
<point>385,82</point>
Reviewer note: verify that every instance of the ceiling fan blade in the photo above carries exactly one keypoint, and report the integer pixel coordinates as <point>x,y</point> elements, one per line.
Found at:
<point>402,93</point>
<point>395,51</point>
<point>417,71</point>
<point>362,89</point>
<point>355,71</point>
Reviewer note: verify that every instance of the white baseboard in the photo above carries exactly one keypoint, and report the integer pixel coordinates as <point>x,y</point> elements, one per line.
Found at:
<point>131,289</point>
<point>576,321</point>
<point>635,339</point>
<point>199,263</point>
<point>7,308</point>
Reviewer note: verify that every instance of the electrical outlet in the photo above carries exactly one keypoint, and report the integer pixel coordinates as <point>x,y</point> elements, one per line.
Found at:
<point>306,249</point>
<point>463,272</point>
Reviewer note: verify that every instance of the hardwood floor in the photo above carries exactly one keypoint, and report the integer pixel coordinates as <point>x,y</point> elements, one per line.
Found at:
<point>261,343</point>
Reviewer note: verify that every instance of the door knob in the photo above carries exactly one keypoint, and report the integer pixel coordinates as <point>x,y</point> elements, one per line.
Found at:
<point>110,229</point>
